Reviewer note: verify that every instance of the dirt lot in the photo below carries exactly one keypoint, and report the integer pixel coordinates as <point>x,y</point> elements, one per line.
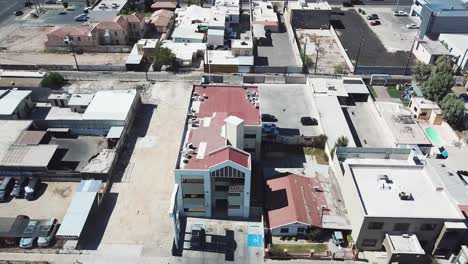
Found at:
<point>17,38</point>
<point>329,53</point>
<point>53,202</point>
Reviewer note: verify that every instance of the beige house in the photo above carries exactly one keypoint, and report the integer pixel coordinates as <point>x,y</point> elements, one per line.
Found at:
<point>162,20</point>
<point>122,31</point>
<point>387,193</point>
<point>80,35</point>
<point>426,110</point>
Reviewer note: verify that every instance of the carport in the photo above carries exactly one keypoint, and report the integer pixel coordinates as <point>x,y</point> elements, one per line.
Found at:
<point>10,227</point>
<point>86,199</point>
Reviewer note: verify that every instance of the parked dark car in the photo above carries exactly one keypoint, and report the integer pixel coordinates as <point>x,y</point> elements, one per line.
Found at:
<point>375,23</point>
<point>18,190</point>
<point>269,118</point>
<point>19,221</point>
<point>372,17</point>
<point>6,187</point>
<point>308,121</point>
<point>18,13</point>
<point>31,189</point>
<point>464,96</point>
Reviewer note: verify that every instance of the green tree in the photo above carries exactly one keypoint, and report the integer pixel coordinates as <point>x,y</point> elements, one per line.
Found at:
<point>306,61</point>
<point>65,5</point>
<point>164,56</point>
<point>53,80</point>
<point>443,65</point>
<point>422,72</point>
<point>437,86</point>
<point>88,3</point>
<point>453,110</point>
<point>148,4</point>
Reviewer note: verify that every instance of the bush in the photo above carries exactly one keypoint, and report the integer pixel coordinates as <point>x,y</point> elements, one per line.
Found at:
<point>65,5</point>
<point>306,60</point>
<point>319,141</point>
<point>453,110</point>
<point>340,69</point>
<point>53,80</point>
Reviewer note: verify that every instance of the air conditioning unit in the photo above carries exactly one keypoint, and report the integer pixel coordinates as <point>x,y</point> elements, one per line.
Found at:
<point>383,177</point>
<point>406,235</point>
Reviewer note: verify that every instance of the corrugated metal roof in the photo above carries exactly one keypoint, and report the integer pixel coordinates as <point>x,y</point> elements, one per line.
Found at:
<point>30,138</point>
<point>10,99</point>
<point>28,156</point>
<point>79,209</point>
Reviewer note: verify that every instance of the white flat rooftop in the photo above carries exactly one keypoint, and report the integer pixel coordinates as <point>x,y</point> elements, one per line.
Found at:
<point>80,99</point>
<point>333,120</point>
<point>405,244</point>
<point>10,100</point>
<point>225,57</point>
<point>381,198</point>
<point>322,5</point>
<point>110,105</point>
<point>331,86</point>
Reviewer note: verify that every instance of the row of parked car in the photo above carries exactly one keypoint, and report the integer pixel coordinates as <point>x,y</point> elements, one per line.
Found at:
<point>20,188</point>
<point>50,229</point>
<point>269,127</point>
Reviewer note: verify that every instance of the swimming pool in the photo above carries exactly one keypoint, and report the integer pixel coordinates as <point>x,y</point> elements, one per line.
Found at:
<point>433,136</point>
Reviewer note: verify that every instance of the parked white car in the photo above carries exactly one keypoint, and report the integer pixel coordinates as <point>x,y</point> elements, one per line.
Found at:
<point>412,26</point>
<point>45,241</point>
<point>400,13</point>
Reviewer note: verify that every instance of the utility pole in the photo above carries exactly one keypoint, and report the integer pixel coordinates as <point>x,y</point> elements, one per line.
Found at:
<point>304,57</point>
<point>317,49</point>
<point>409,55</point>
<point>359,53</point>
<point>396,6</point>
<point>68,41</point>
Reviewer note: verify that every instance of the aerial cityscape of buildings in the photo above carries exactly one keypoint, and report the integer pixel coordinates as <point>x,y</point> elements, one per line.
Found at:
<point>227,131</point>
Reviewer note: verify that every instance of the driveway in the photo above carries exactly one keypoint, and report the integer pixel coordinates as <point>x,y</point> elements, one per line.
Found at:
<point>139,222</point>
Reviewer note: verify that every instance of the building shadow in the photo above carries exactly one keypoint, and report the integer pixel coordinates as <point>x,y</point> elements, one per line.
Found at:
<point>97,224</point>
<point>138,130</point>
<point>351,127</point>
<point>217,244</point>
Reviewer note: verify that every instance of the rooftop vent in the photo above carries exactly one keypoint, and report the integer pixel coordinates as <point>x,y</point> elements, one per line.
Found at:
<point>404,196</point>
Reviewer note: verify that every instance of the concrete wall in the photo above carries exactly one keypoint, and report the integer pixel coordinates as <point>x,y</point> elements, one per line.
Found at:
<point>351,198</point>
<point>427,239</point>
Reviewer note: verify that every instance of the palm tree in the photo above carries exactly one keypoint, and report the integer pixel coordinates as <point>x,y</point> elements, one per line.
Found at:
<point>342,141</point>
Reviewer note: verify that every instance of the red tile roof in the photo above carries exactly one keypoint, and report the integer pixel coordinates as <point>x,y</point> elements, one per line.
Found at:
<point>292,198</point>
<point>228,153</point>
<point>109,25</point>
<point>229,99</point>
<point>70,30</point>
<point>221,102</point>
<point>135,17</point>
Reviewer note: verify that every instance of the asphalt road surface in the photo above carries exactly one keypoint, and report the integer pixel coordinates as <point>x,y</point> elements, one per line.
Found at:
<point>8,7</point>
